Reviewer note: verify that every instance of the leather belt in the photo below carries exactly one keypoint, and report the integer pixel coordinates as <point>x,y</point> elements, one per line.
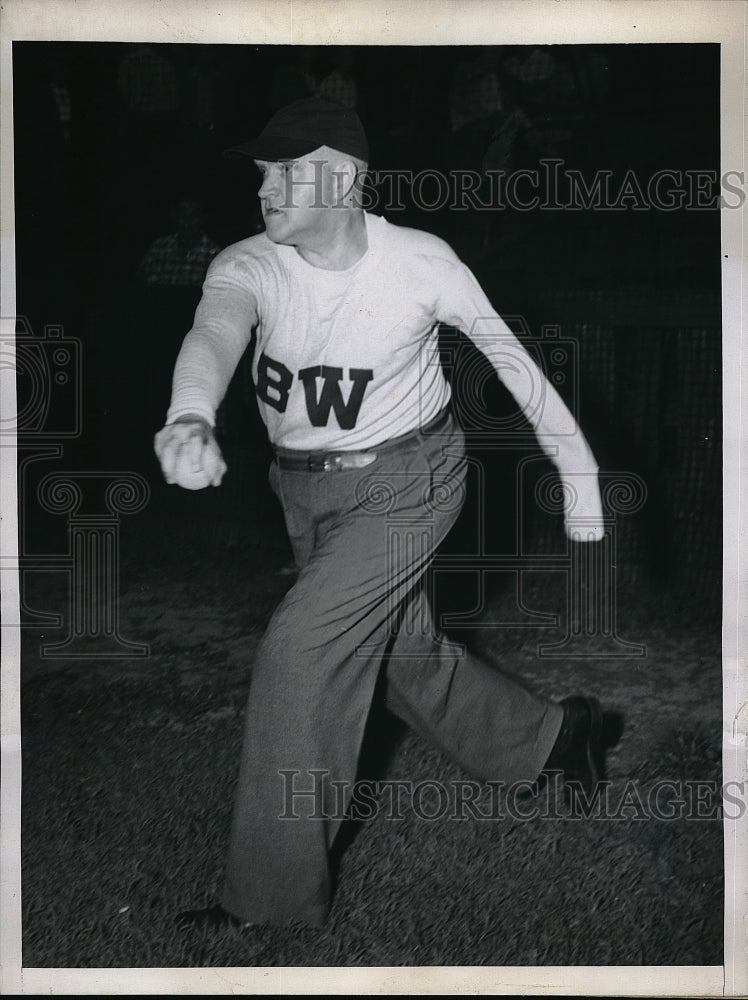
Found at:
<point>339,461</point>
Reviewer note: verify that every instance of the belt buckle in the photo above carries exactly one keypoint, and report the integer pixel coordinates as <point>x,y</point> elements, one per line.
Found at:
<point>320,463</point>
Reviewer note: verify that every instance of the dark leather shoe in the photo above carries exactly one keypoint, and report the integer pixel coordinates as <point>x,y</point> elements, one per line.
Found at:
<point>578,743</point>
<point>212,918</point>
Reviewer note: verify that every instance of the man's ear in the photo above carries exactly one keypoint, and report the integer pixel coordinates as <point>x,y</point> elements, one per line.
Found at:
<point>344,174</point>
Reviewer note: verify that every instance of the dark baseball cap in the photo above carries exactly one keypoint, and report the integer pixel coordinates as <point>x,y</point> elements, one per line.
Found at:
<point>303,126</point>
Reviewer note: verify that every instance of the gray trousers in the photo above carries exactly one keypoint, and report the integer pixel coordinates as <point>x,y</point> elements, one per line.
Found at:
<point>363,540</point>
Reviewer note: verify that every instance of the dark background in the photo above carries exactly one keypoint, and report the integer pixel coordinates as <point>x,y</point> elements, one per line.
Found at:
<point>98,175</point>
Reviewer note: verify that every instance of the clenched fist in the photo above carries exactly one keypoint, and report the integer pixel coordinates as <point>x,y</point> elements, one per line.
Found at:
<point>189,453</point>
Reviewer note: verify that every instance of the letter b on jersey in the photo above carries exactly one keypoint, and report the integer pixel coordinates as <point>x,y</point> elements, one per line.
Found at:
<point>274,383</point>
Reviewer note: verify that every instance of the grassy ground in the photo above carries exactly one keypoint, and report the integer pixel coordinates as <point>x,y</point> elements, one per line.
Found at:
<point>129,768</point>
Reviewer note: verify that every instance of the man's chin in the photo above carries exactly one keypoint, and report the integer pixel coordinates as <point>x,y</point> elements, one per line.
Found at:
<point>274,231</point>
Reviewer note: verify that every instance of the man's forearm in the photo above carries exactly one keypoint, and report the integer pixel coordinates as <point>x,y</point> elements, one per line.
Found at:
<point>213,347</point>
<point>200,380</point>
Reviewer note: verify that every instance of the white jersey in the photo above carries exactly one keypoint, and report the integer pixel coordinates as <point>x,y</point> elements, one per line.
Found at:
<point>345,360</point>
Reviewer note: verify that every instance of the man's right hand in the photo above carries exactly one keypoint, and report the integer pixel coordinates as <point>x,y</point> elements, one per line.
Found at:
<point>189,453</point>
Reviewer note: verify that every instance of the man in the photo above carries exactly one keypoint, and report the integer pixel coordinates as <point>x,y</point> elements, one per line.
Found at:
<point>180,259</point>
<point>369,467</point>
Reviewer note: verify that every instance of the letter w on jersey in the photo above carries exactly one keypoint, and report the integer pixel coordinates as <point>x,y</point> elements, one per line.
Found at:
<point>331,396</point>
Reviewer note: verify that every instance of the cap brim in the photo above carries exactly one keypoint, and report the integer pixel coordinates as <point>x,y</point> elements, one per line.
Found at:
<point>271,148</point>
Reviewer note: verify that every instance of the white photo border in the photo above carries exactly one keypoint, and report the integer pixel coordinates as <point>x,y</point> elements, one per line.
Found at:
<point>390,22</point>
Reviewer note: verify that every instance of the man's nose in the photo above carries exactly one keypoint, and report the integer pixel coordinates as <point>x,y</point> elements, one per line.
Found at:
<point>270,184</point>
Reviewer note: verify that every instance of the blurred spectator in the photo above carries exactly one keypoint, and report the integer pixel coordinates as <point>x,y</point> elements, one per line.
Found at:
<point>147,83</point>
<point>543,78</point>
<point>339,83</point>
<point>488,133</point>
<point>475,92</point>
<point>545,81</point>
<point>182,257</point>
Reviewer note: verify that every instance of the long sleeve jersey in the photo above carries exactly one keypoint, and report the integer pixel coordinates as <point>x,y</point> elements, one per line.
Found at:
<point>345,360</point>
